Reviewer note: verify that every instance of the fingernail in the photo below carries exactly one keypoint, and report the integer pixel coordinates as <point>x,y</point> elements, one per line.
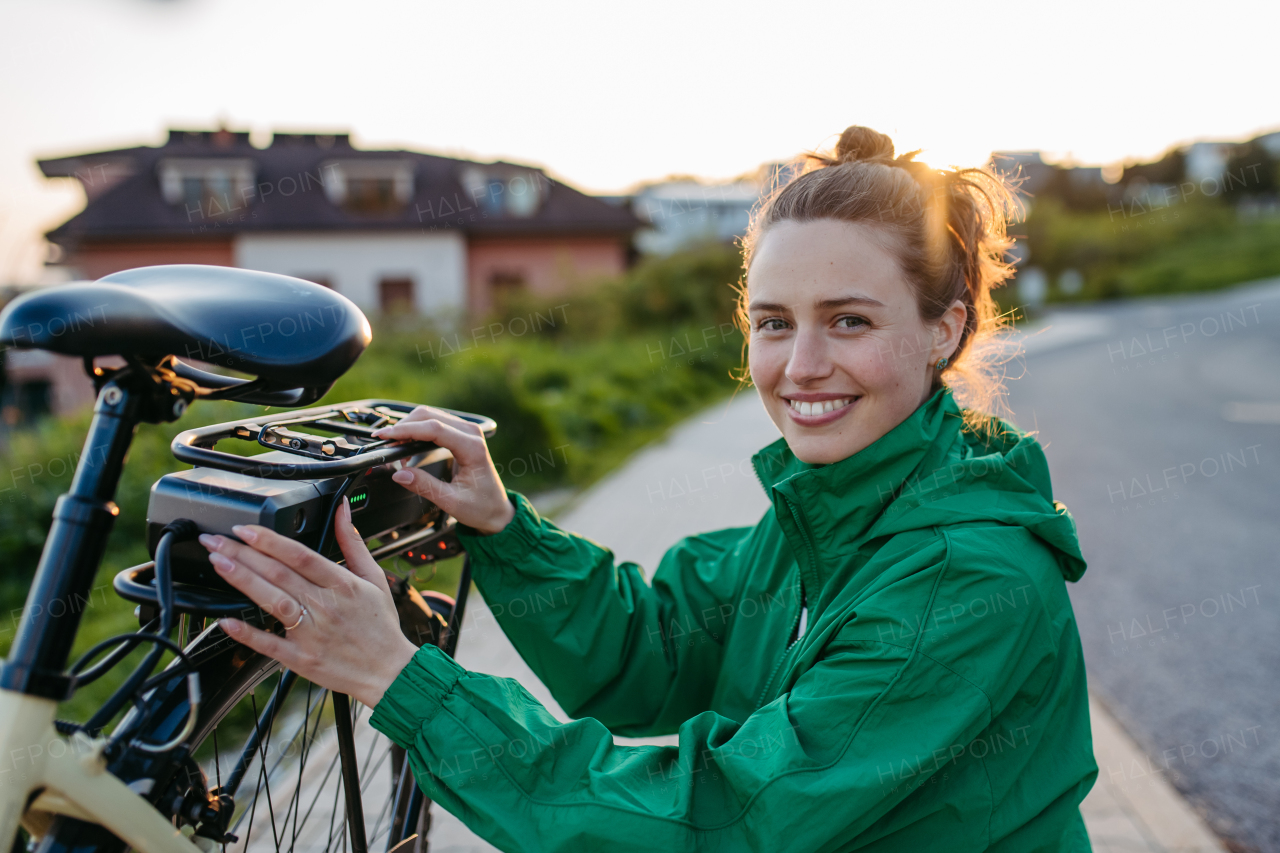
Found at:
<point>229,626</point>
<point>246,533</point>
<point>380,431</point>
<point>346,509</point>
<point>221,563</point>
<point>402,477</point>
<point>213,543</point>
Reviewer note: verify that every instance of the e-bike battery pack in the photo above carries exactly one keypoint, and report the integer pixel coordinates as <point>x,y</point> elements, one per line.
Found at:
<point>299,509</point>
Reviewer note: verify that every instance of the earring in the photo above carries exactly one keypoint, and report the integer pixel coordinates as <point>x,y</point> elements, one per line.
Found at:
<point>942,363</point>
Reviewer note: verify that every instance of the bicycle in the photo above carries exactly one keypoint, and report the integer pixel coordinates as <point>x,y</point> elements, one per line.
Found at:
<point>157,783</point>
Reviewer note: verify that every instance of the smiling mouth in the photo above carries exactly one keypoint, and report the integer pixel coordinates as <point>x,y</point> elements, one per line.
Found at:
<point>823,407</point>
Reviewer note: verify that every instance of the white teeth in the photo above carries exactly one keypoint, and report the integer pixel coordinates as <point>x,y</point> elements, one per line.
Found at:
<point>810,409</point>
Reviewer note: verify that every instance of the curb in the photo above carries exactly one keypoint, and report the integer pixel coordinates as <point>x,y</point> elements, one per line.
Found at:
<point>1132,806</point>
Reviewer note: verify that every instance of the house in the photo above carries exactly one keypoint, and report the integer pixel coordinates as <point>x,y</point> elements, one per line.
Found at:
<point>1026,168</point>
<point>35,383</point>
<point>682,212</point>
<point>390,229</point>
<point>1207,160</point>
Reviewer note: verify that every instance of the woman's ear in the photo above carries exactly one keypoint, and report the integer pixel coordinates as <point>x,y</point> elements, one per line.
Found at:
<point>946,335</point>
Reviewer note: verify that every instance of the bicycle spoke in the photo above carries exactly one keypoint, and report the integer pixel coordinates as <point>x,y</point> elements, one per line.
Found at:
<point>294,729</point>
<point>304,752</point>
<point>302,763</point>
<point>333,812</point>
<point>253,808</point>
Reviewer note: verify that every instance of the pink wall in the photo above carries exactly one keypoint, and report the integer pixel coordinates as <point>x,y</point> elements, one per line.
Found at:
<point>93,261</point>
<point>547,265</point>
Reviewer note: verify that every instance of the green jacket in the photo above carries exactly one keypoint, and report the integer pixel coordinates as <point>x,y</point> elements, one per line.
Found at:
<point>935,699</point>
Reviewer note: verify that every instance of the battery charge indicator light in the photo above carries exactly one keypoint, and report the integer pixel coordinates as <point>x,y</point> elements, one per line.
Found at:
<point>359,500</point>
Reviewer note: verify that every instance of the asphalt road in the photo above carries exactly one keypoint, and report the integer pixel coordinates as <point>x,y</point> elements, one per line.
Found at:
<point>1161,422</point>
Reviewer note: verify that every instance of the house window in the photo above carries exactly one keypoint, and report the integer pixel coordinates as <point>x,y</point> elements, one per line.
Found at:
<point>395,295</point>
<point>207,188</point>
<point>506,281</point>
<point>504,284</point>
<point>502,190</point>
<point>369,186</point>
<point>27,402</point>
<point>371,195</point>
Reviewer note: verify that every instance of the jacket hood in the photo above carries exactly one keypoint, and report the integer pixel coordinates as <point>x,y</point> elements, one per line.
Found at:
<point>930,470</point>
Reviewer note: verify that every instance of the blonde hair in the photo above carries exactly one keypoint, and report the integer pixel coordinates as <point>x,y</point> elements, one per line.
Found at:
<point>948,230</point>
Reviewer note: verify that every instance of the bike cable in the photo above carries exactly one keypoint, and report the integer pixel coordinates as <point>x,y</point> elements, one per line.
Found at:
<point>180,529</point>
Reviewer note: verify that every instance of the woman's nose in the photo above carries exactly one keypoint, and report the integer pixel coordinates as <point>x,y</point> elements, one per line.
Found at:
<point>809,360</point>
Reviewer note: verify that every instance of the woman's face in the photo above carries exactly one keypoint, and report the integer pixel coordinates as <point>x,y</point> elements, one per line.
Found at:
<point>838,351</point>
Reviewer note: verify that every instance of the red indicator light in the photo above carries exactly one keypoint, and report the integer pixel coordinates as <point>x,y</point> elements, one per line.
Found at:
<point>442,546</point>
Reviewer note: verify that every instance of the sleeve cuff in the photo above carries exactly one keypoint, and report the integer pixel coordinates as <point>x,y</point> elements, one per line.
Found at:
<point>415,697</point>
<point>519,536</point>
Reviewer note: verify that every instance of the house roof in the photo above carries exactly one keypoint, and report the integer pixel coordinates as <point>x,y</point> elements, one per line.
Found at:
<point>126,200</point>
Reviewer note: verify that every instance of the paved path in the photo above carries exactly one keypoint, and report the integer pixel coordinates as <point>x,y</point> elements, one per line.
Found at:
<point>700,479</point>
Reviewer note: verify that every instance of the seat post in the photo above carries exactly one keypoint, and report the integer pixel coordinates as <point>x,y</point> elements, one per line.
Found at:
<point>82,520</point>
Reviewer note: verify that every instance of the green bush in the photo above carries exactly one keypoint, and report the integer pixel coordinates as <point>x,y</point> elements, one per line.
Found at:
<point>1201,244</point>
<point>625,360</point>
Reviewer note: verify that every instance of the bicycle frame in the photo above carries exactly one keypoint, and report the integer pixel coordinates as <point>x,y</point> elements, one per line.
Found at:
<point>53,775</point>
<point>68,776</point>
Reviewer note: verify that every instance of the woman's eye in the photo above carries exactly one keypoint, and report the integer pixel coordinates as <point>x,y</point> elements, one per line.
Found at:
<point>851,322</point>
<point>771,324</point>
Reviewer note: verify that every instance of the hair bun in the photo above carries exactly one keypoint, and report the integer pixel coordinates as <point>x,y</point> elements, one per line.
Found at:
<point>863,143</point>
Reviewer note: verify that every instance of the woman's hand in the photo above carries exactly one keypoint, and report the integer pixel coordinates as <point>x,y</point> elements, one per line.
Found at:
<point>348,638</point>
<point>475,495</point>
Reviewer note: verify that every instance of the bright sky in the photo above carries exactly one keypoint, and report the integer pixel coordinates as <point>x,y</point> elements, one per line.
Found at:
<point>608,94</point>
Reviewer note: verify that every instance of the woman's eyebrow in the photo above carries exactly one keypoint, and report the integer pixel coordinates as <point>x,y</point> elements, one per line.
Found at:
<point>768,306</point>
<point>841,301</point>
<point>821,305</point>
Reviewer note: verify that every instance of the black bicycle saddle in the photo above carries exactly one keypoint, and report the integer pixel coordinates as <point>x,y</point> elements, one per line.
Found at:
<point>287,332</point>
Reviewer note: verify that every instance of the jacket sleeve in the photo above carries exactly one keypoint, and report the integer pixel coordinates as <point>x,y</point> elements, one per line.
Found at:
<point>810,771</point>
<point>639,658</point>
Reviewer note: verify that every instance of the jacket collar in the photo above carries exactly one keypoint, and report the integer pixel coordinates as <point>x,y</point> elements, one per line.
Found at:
<point>827,511</point>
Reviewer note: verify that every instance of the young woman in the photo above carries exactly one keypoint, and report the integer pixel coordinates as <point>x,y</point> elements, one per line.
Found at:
<point>887,660</point>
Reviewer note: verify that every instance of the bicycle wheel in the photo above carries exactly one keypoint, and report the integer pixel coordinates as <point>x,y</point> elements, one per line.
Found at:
<point>268,742</point>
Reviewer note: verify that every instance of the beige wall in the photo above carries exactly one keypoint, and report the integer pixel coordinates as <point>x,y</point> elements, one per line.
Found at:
<point>547,265</point>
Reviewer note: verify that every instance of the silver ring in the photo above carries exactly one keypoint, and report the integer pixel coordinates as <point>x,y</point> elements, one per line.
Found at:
<point>301,616</point>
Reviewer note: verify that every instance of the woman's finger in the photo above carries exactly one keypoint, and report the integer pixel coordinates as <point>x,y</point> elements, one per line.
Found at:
<point>273,570</point>
<point>467,446</point>
<point>321,572</point>
<point>263,642</point>
<point>424,412</point>
<point>266,595</point>
<point>359,560</point>
<point>424,484</point>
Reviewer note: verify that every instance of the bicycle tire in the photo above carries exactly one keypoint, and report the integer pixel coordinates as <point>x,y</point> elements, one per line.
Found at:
<point>232,675</point>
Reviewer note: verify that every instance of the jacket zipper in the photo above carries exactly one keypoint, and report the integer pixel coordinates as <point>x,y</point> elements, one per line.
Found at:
<point>785,652</point>
<point>804,534</point>
<point>813,568</point>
